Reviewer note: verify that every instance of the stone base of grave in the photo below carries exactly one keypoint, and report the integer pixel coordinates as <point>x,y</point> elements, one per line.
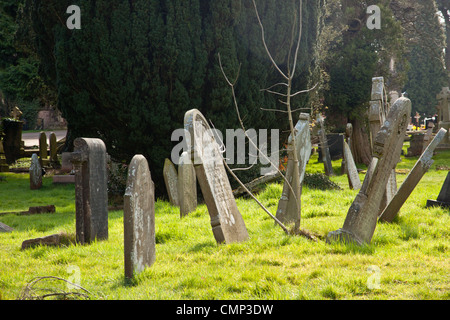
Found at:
<point>5,228</point>
<point>436,203</point>
<point>64,179</point>
<point>343,236</point>
<point>53,240</point>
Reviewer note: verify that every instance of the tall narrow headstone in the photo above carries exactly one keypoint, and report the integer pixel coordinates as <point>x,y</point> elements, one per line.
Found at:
<point>3,163</point>
<point>361,220</point>
<point>443,199</point>
<point>139,218</point>
<point>43,147</point>
<point>53,149</point>
<point>171,181</point>
<point>289,210</point>
<point>226,220</point>
<point>35,173</point>
<point>326,158</point>
<point>421,167</point>
<point>187,185</point>
<point>91,193</point>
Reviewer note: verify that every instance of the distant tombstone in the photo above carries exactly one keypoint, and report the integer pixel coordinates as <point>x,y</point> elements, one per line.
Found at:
<point>428,135</point>
<point>43,147</point>
<point>288,211</point>
<point>53,149</point>
<point>444,116</point>
<point>226,220</point>
<point>443,199</point>
<point>139,218</point>
<point>3,163</point>
<point>187,185</point>
<point>326,158</point>
<point>171,181</point>
<point>416,144</point>
<point>91,189</point>
<point>414,177</point>
<point>361,220</point>
<point>35,173</point>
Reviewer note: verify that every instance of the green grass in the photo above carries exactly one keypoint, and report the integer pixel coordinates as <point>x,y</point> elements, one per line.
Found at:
<point>411,254</point>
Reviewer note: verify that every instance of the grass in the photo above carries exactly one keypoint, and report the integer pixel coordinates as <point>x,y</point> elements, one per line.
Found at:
<point>410,256</point>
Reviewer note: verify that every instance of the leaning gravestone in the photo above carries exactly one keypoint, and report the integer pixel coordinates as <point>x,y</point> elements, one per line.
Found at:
<point>4,228</point>
<point>35,173</point>
<point>349,163</point>
<point>187,185</point>
<point>443,199</point>
<point>288,211</point>
<point>226,220</point>
<point>91,189</point>
<point>139,218</point>
<point>171,182</point>
<point>362,216</point>
<point>422,166</point>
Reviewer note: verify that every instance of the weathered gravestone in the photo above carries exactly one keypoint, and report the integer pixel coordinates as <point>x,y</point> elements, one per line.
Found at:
<point>226,220</point>
<point>187,185</point>
<point>35,173</point>
<point>349,162</point>
<point>443,199</point>
<point>91,194</point>
<point>43,148</point>
<point>414,177</point>
<point>289,210</point>
<point>416,144</point>
<point>171,182</point>
<point>4,228</point>
<point>362,216</point>
<point>3,163</point>
<point>139,218</point>
<point>444,116</point>
<point>53,149</point>
<point>326,157</point>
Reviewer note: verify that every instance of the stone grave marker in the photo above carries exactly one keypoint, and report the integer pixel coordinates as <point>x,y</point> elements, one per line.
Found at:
<point>171,181</point>
<point>187,185</point>
<point>4,228</point>
<point>362,216</point>
<point>91,193</point>
<point>420,168</point>
<point>226,220</point>
<point>3,163</point>
<point>288,211</point>
<point>326,158</point>
<point>139,218</point>
<point>443,199</point>
<point>53,149</point>
<point>43,148</point>
<point>428,136</point>
<point>444,116</point>
<point>35,173</point>
<point>348,162</point>
<point>416,144</point>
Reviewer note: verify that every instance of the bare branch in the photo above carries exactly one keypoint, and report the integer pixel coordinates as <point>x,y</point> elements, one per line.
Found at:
<point>299,39</point>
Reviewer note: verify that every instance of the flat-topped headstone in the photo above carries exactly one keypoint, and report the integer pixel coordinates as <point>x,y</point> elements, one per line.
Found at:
<point>187,185</point>
<point>420,168</point>
<point>289,210</point>
<point>91,189</point>
<point>171,181</point>
<point>361,220</point>
<point>35,173</point>
<point>53,149</point>
<point>443,199</point>
<point>139,218</point>
<point>226,220</point>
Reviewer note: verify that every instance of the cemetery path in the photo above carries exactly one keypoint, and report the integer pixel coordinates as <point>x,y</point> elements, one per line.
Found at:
<point>32,138</point>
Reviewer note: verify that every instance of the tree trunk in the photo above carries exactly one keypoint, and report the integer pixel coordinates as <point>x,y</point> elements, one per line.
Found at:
<point>361,150</point>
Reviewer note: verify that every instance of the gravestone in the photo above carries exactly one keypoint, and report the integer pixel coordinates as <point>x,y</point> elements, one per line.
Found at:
<point>139,218</point>
<point>428,135</point>
<point>362,215</point>
<point>43,148</point>
<point>91,189</point>
<point>35,173</point>
<point>348,162</point>
<point>326,158</point>
<point>226,220</point>
<point>53,149</point>
<point>416,144</point>
<point>3,163</point>
<point>444,116</point>
<point>288,211</point>
<point>187,185</point>
<point>443,199</point>
<point>171,181</point>
<point>414,177</point>
<point>4,228</point>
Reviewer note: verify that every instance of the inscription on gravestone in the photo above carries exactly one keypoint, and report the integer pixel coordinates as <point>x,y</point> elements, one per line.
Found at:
<point>139,218</point>
<point>361,220</point>
<point>226,220</point>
